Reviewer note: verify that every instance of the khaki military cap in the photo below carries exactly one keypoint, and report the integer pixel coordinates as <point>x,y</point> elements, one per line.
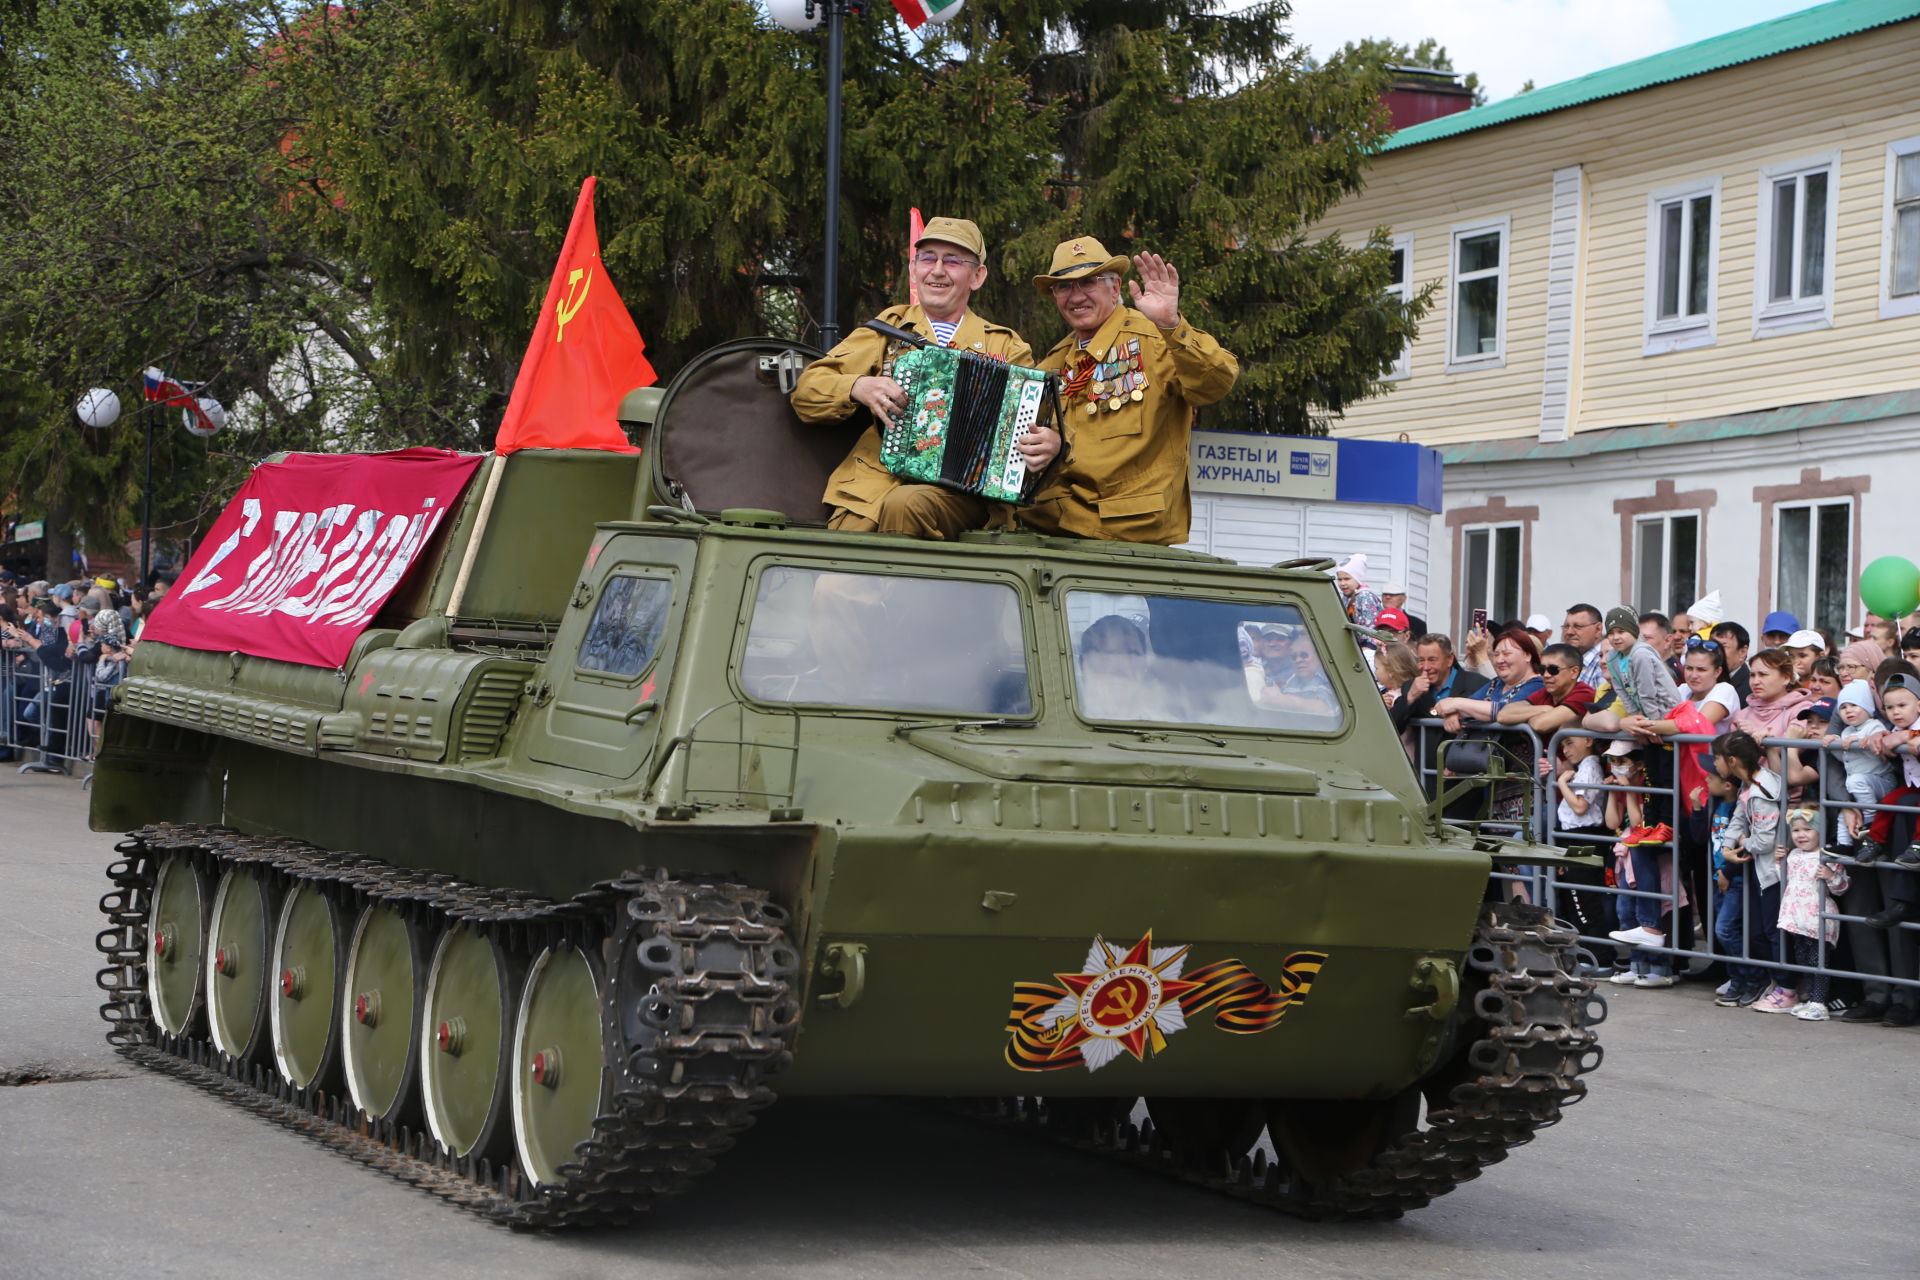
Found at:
<point>954,231</point>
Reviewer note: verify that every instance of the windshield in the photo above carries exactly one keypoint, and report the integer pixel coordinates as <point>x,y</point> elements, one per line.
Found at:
<point>886,642</point>
<point>1198,662</point>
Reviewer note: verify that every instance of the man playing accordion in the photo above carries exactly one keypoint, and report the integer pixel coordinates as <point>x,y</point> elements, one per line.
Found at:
<point>949,264</point>
<point>1132,377</point>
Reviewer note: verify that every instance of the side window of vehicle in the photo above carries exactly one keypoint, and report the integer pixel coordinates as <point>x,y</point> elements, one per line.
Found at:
<point>628,622</point>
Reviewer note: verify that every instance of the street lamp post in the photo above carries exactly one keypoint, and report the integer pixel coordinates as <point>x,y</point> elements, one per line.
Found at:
<point>805,15</point>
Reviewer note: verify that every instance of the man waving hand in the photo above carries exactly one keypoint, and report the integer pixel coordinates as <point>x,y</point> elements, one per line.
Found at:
<point>1133,378</point>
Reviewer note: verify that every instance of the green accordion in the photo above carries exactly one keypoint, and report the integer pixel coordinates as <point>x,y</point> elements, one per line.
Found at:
<point>964,412</point>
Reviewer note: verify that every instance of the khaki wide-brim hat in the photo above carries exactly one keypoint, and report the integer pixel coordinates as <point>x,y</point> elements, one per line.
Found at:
<point>1077,259</point>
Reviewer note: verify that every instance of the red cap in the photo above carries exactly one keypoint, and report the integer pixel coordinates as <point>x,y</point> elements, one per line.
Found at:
<point>1391,619</point>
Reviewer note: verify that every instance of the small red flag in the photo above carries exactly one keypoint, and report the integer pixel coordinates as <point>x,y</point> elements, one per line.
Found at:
<point>915,229</point>
<point>586,354</point>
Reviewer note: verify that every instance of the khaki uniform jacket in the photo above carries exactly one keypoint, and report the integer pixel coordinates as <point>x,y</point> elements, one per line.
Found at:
<point>825,394</point>
<point>1125,474</point>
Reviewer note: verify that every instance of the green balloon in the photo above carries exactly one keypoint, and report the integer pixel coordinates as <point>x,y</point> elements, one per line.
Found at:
<point>1890,586</point>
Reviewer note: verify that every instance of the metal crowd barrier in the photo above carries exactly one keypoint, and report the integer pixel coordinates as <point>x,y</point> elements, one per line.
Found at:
<point>48,725</point>
<point>1900,945</point>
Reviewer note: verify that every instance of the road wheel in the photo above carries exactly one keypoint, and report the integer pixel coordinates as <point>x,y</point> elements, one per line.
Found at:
<point>1322,1140</point>
<point>239,963</point>
<point>464,1043</point>
<point>306,964</point>
<point>379,1003</point>
<point>1208,1134</point>
<point>558,1075</point>
<point>177,944</point>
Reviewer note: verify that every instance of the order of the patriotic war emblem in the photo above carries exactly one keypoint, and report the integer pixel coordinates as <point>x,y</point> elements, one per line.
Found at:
<point>1131,1002</point>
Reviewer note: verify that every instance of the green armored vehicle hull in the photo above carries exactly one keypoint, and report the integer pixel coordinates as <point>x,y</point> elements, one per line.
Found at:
<point>646,798</point>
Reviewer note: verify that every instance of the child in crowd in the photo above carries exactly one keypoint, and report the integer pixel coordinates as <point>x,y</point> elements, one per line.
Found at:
<point>1580,823</point>
<point>1811,875</point>
<point>1642,865</point>
<point>1869,776</point>
<point>1750,843</point>
<point>1900,699</point>
<point>1729,888</point>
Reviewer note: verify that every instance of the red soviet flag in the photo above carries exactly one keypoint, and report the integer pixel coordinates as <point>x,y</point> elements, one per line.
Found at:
<point>585,355</point>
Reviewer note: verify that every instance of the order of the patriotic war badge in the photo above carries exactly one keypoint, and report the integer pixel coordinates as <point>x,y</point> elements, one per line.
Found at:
<point>1132,1002</point>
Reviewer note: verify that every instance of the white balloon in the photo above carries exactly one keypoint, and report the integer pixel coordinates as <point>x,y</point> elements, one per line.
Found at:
<point>792,14</point>
<point>216,414</point>
<point>98,408</point>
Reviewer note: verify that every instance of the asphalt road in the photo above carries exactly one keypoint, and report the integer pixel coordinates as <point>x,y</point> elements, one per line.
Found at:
<point>1715,1143</point>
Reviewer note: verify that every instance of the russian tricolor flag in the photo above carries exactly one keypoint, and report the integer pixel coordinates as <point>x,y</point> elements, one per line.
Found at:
<point>161,389</point>
<point>917,13</point>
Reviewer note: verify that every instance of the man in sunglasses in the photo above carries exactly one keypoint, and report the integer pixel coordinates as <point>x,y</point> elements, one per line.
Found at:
<point>1133,379</point>
<point>948,267</point>
<point>1581,629</point>
<point>1562,699</point>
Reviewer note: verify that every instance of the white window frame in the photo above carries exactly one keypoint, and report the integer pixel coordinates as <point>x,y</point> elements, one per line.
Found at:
<point>1681,333</point>
<point>1666,519</point>
<point>1806,610</point>
<point>1403,290</point>
<point>1796,315</point>
<point>1908,304</point>
<point>1497,358</point>
<point>1493,544</point>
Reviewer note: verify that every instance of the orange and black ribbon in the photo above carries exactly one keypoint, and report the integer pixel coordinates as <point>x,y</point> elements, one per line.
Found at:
<point>1247,1006</point>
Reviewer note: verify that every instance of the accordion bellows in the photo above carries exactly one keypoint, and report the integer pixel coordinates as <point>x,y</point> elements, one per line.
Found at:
<point>964,412</point>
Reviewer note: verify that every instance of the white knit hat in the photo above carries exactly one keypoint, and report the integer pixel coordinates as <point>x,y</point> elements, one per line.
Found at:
<point>1707,610</point>
<point>1355,567</point>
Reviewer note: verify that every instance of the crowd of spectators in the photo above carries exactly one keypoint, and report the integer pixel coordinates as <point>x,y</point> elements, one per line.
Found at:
<point>63,647</point>
<point>1742,847</point>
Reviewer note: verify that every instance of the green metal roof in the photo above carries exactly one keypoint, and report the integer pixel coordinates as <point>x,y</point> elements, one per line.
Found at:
<point>1764,40</point>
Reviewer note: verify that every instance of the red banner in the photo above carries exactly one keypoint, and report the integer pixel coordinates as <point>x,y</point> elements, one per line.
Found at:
<point>301,560</point>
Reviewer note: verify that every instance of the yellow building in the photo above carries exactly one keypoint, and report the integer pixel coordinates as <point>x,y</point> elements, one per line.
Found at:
<point>1675,339</point>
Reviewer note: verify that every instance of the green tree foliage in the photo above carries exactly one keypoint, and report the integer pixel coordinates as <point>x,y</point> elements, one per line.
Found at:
<point>344,217</point>
<point>143,191</point>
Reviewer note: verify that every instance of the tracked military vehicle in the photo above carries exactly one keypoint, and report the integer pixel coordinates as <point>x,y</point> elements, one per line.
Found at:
<point>646,797</point>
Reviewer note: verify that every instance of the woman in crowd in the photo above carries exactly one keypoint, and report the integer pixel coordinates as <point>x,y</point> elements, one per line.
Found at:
<point>1710,703</point>
<point>1516,677</point>
<point>1773,700</point>
<point>1393,665</point>
<point>1823,678</point>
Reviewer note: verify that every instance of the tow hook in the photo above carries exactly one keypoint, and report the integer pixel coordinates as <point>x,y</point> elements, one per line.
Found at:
<point>1435,974</point>
<point>849,961</point>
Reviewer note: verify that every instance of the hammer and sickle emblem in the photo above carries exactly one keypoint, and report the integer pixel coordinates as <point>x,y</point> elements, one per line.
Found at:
<point>569,306</point>
<point>1125,998</point>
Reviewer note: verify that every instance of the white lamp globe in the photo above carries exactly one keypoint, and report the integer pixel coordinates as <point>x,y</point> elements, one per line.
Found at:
<point>98,408</point>
<point>216,414</point>
<point>793,15</point>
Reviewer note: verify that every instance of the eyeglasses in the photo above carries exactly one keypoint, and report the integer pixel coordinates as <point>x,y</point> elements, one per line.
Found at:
<point>1552,670</point>
<point>927,258</point>
<point>1067,288</point>
<point>1711,646</point>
